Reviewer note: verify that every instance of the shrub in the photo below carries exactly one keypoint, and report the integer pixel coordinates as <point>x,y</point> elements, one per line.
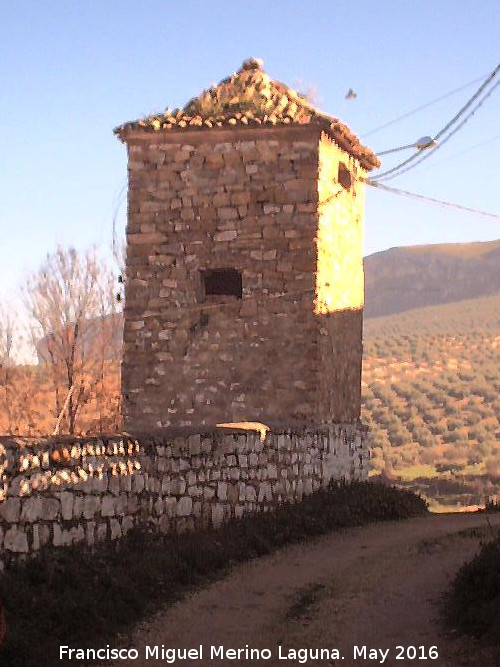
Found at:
<point>474,599</point>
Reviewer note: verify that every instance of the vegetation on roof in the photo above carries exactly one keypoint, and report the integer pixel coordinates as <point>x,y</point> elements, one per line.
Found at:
<point>251,98</point>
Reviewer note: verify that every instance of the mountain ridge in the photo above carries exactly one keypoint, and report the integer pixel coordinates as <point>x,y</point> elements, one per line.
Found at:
<point>408,277</point>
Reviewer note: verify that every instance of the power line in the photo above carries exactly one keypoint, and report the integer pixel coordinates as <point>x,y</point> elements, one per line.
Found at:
<point>389,174</point>
<point>432,200</point>
<point>118,203</point>
<point>469,149</point>
<point>469,102</point>
<point>422,107</point>
<point>448,125</point>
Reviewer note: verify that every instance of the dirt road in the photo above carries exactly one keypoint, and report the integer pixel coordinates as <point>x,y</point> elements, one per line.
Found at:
<point>377,587</point>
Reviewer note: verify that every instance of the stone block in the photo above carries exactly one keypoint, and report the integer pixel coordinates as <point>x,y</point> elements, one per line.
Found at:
<point>67,505</point>
<point>184,506</point>
<point>272,471</point>
<point>206,445</point>
<point>164,524</point>
<point>121,505</point>
<point>208,493</point>
<point>77,534</point>
<point>99,484</point>
<point>232,494</point>
<point>153,484</point>
<point>10,510</point>
<point>114,485</point>
<point>217,514</point>
<point>138,483</point>
<point>253,459</point>
<point>115,529</point>
<point>91,505</point>
<point>133,504</point>
<point>60,537</point>
<point>44,534</point>
<point>90,533</point>
<point>222,490</point>
<point>178,486</point>
<point>170,507</point>
<point>108,506</point>
<point>159,506</point>
<point>228,235</point>
<point>32,509</point>
<point>228,444</point>
<point>265,492</point>
<point>194,444</point>
<point>102,531</point>
<point>127,524</point>
<point>35,543</point>
<point>50,509</point>
<point>16,540</point>
<point>251,494</point>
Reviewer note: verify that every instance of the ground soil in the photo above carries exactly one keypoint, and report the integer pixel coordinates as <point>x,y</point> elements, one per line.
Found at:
<point>380,586</point>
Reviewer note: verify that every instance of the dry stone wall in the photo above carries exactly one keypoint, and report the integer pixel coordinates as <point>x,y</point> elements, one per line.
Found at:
<point>64,491</point>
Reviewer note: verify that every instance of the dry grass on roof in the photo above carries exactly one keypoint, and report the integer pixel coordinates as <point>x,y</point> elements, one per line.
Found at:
<point>249,97</point>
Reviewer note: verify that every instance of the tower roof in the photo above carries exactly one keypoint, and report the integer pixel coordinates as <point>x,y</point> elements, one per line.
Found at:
<point>250,98</point>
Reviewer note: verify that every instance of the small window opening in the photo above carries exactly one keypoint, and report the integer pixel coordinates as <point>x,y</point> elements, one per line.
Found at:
<point>344,176</point>
<point>223,282</point>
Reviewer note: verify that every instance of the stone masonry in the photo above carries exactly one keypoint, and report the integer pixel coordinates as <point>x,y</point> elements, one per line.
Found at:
<point>62,491</point>
<point>248,181</point>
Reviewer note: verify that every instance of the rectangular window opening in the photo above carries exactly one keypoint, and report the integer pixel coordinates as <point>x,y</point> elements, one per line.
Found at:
<point>223,282</point>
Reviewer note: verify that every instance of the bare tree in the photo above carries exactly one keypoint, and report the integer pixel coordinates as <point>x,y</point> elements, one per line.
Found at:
<point>108,353</point>
<point>67,300</point>
<point>18,386</point>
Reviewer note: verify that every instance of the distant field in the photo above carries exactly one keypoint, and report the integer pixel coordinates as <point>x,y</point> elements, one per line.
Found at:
<point>431,395</point>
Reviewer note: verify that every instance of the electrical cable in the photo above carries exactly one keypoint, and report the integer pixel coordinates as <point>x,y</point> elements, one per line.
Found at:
<point>469,149</point>
<point>432,200</point>
<point>422,107</point>
<point>390,175</point>
<point>118,201</point>
<point>469,102</point>
<point>448,125</point>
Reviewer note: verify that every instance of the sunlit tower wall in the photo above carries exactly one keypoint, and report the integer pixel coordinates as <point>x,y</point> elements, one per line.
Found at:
<point>244,277</point>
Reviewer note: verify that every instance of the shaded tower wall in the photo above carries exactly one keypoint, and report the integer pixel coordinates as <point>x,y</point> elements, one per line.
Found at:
<point>339,282</point>
<point>247,204</point>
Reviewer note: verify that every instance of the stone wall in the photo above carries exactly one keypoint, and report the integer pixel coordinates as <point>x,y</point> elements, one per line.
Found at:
<point>249,200</point>
<point>339,282</point>
<point>62,491</point>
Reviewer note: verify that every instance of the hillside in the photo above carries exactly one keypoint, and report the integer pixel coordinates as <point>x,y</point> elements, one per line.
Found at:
<point>399,279</point>
<point>431,388</point>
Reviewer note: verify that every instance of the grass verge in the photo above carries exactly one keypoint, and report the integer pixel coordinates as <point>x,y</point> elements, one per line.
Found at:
<point>86,598</point>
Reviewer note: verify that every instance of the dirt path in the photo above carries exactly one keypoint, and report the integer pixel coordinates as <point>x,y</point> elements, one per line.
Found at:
<point>377,587</point>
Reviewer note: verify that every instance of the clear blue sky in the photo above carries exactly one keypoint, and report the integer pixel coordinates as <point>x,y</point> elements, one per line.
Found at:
<point>72,71</point>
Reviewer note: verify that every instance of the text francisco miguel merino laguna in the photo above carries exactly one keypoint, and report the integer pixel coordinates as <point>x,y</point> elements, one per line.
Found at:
<point>172,655</point>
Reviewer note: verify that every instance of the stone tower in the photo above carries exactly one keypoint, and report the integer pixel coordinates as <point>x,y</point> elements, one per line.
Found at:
<point>244,275</point>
